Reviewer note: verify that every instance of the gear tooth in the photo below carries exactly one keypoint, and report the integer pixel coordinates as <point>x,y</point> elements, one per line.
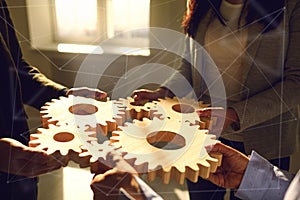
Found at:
<point>117,144</point>
<point>64,152</point>
<point>139,162</point>
<point>204,167</point>
<point>34,143</point>
<point>34,137</point>
<point>119,151</point>
<point>77,150</point>
<point>43,110</point>
<point>114,139</point>
<point>129,156</point>
<point>166,176</point>
<point>45,116</point>
<point>46,148</point>
<point>192,173</point>
<point>51,126</point>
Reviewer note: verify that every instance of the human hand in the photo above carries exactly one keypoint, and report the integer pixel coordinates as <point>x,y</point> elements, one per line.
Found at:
<point>219,117</point>
<point>22,160</point>
<point>232,169</point>
<point>144,95</point>
<point>87,92</point>
<point>119,175</point>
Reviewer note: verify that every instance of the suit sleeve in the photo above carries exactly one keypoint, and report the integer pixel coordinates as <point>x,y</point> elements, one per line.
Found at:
<point>285,94</point>
<point>36,88</point>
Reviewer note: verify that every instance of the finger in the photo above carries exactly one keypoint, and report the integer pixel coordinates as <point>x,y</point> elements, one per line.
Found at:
<point>215,111</point>
<point>223,149</point>
<point>204,113</point>
<point>140,96</point>
<point>119,163</point>
<point>217,178</point>
<point>100,95</point>
<point>213,178</point>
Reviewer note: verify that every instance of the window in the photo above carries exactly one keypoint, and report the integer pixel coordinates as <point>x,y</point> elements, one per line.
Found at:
<point>81,25</point>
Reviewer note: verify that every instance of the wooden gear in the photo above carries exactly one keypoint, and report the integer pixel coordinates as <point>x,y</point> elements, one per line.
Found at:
<point>83,111</point>
<point>64,142</point>
<point>169,145</point>
<point>135,111</point>
<point>182,156</point>
<point>180,109</point>
<point>98,152</point>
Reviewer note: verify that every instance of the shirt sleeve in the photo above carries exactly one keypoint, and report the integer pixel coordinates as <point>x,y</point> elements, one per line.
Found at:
<point>262,180</point>
<point>147,190</point>
<point>293,192</point>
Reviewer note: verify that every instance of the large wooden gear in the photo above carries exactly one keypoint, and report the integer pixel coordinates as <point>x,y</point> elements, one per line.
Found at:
<point>83,111</point>
<point>64,142</point>
<point>166,148</point>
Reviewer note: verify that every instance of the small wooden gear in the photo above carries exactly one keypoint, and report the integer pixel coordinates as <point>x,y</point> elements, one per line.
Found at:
<point>134,110</point>
<point>83,111</point>
<point>167,149</point>
<point>98,152</point>
<point>180,109</point>
<point>63,141</point>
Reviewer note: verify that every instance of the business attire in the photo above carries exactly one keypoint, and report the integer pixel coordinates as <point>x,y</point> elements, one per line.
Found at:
<point>262,83</point>
<point>262,180</point>
<point>20,84</point>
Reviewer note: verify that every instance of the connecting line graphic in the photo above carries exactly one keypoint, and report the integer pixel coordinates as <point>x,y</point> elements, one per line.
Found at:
<point>62,68</point>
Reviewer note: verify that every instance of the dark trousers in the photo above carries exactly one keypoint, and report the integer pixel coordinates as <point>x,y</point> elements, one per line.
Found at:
<point>204,189</point>
<point>17,187</point>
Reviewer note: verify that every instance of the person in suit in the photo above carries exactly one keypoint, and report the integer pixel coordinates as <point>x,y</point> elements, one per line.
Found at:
<point>22,84</point>
<point>237,171</point>
<point>255,46</point>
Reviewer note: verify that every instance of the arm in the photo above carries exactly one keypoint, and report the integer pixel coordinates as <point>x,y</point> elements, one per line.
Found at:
<point>255,178</point>
<point>120,175</point>
<point>19,159</point>
<point>262,180</point>
<point>35,87</point>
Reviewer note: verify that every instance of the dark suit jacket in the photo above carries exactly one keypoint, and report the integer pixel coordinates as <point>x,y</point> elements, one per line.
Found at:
<point>20,83</point>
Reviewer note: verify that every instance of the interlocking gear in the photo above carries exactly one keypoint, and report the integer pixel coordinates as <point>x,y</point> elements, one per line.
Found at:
<point>62,141</point>
<point>83,111</point>
<point>180,109</point>
<point>133,110</point>
<point>167,149</point>
<point>98,152</point>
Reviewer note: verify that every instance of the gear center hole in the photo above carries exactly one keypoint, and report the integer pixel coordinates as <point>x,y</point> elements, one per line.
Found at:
<point>183,108</point>
<point>166,140</point>
<point>63,137</point>
<point>83,109</point>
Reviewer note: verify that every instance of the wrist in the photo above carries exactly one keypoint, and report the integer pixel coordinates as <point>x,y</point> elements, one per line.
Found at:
<point>163,92</point>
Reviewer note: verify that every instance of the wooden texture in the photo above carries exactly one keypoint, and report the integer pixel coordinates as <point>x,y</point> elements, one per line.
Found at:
<point>179,109</point>
<point>106,116</point>
<point>164,138</point>
<point>63,142</point>
<point>167,148</point>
